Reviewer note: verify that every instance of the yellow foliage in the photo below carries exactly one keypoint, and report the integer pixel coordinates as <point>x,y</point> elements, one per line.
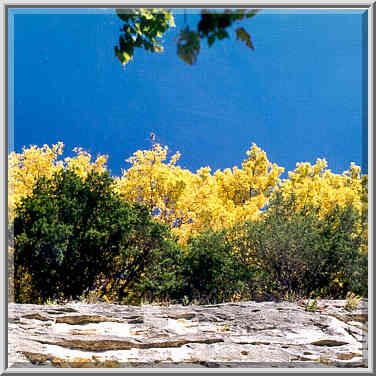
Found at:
<point>188,202</point>
<point>25,168</point>
<point>23,284</point>
<point>192,202</point>
<point>82,164</point>
<point>317,185</point>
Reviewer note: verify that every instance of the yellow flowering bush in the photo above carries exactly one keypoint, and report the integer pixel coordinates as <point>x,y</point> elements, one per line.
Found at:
<point>318,186</point>
<point>25,168</point>
<point>192,202</point>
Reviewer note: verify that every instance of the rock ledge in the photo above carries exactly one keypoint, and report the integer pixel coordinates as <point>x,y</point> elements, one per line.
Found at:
<point>245,334</point>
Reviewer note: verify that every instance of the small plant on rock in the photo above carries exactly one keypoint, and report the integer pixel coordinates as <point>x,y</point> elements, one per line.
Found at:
<point>352,301</point>
<point>291,297</point>
<point>311,305</point>
<point>185,300</point>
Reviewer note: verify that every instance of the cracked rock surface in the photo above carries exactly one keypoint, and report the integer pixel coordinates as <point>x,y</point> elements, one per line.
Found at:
<point>244,334</point>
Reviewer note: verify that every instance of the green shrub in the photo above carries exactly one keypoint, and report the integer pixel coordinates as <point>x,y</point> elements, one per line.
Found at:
<point>206,272</point>
<point>358,282</point>
<point>69,231</point>
<point>162,278</point>
<point>212,272</point>
<point>295,252</point>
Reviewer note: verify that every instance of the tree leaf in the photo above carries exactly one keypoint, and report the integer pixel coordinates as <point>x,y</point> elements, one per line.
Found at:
<point>125,58</point>
<point>252,13</point>
<point>158,48</point>
<point>242,34</point>
<point>188,46</point>
<point>211,40</point>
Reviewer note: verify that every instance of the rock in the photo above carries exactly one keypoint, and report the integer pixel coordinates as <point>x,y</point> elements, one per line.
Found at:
<point>235,335</point>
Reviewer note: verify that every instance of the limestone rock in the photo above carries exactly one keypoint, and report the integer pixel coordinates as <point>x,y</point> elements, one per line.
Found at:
<point>244,334</point>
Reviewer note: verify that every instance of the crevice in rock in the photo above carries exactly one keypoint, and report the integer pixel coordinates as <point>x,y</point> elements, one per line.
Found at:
<point>13,320</point>
<point>360,317</point>
<point>187,316</point>
<point>359,364</point>
<point>36,316</point>
<point>347,356</point>
<point>320,325</point>
<point>353,334</point>
<point>36,358</point>
<point>305,359</point>
<point>65,310</point>
<point>329,342</point>
<point>93,362</point>
<point>255,343</point>
<point>138,320</point>
<point>83,319</point>
<point>122,344</point>
<point>250,328</point>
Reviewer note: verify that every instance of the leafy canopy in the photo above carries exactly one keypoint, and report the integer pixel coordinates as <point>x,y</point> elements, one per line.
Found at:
<point>144,28</point>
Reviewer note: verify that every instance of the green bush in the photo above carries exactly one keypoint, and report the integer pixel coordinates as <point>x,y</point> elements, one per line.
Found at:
<point>212,272</point>
<point>206,272</point>
<point>163,278</point>
<point>73,235</point>
<point>69,231</point>
<point>295,252</point>
<point>358,282</point>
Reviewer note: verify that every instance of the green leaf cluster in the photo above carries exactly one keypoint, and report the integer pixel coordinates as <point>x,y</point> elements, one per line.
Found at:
<point>213,24</point>
<point>242,34</point>
<point>143,28</point>
<point>188,45</point>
